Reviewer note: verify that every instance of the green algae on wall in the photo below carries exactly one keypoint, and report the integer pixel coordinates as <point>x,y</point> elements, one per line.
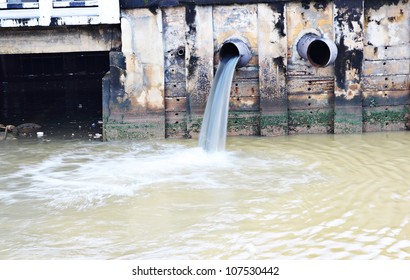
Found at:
<point>243,123</point>
<point>386,118</point>
<point>311,121</point>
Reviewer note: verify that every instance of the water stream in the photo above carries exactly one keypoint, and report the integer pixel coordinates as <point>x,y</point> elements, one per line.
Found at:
<point>298,197</point>
<point>213,130</point>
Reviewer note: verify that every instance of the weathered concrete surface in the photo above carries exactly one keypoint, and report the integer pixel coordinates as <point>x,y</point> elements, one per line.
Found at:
<point>153,4</point>
<point>349,30</point>
<point>60,40</point>
<point>309,88</point>
<point>137,108</point>
<point>302,18</point>
<point>199,63</point>
<point>144,60</point>
<point>272,54</point>
<point>278,92</point>
<point>174,26</point>
<point>240,21</point>
<point>386,67</point>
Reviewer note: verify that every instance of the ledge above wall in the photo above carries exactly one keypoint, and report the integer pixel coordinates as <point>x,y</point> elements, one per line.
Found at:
<point>129,4</point>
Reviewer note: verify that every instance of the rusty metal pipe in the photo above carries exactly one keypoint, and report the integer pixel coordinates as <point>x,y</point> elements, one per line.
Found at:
<point>319,51</point>
<point>235,46</point>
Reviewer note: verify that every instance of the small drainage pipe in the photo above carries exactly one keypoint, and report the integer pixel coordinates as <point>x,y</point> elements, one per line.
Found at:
<point>235,46</point>
<point>320,52</point>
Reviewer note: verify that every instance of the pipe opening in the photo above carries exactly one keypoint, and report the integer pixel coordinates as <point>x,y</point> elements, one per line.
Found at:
<point>235,47</point>
<point>181,52</point>
<point>320,52</point>
<point>228,49</point>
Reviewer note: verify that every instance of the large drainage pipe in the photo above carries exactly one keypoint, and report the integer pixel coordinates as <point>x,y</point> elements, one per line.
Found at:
<point>320,52</point>
<point>234,47</point>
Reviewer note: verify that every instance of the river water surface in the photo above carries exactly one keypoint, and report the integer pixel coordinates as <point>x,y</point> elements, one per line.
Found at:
<point>298,197</point>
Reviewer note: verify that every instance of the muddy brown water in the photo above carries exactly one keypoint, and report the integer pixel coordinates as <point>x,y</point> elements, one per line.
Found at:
<point>298,197</point>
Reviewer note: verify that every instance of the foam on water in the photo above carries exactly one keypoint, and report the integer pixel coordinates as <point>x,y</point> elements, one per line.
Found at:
<point>82,178</point>
<point>86,176</point>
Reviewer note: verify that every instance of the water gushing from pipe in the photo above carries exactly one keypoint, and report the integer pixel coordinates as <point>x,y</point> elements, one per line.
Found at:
<point>233,54</point>
<point>213,131</point>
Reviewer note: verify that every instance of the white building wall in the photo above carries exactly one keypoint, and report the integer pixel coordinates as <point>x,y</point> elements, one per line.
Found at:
<point>55,13</point>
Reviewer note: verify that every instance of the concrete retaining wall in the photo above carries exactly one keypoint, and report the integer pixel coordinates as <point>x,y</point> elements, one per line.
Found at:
<point>171,53</point>
<point>164,54</point>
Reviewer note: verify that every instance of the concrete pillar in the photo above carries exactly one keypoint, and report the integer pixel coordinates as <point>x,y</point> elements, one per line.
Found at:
<point>174,38</point>
<point>272,53</point>
<point>137,100</point>
<point>199,63</point>
<point>386,67</point>
<point>349,25</point>
<point>240,21</point>
<point>309,88</point>
<point>106,102</point>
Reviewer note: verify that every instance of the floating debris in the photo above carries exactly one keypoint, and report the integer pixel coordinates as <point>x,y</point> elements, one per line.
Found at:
<point>27,129</point>
<point>8,128</point>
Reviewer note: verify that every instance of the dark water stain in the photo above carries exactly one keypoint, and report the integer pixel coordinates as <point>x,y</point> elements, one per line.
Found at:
<point>190,15</point>
<point>377,4</point>
<point>348,11</point>
<point>280,24</point>
<point>192,65</point>
<point>279,61</point>
<point>153,10</point>
<point>305,4</point>
<point>347,59</point>
<point>321,4</point>
<point>318,4</point>
<point>117,69</point>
